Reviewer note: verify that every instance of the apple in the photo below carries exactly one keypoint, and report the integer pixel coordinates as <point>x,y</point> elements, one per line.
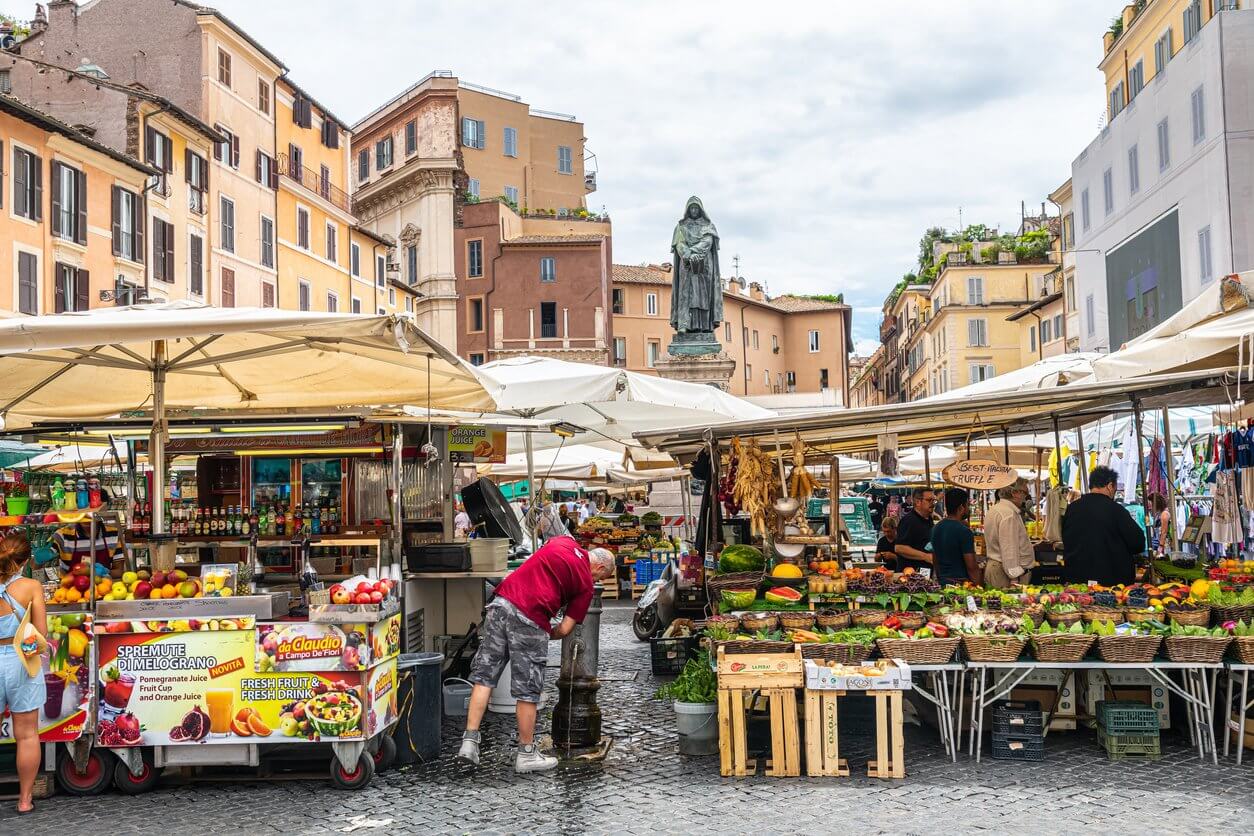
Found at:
<point>376,597</point>
<point>362,598</point>
<point>340,595</point>
<point>158,579</point>
<point>177,576</point>
<point>364,586</point>
<point>82,583</point>
<point>143,574</point>
<point>187,589</point>
<point>143,589</point>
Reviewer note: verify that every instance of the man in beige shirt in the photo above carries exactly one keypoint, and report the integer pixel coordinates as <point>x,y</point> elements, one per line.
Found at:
<point>1006,543</point>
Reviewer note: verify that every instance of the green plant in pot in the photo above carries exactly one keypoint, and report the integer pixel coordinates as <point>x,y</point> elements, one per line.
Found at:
<point>17,500</point>
<point>695,692</point>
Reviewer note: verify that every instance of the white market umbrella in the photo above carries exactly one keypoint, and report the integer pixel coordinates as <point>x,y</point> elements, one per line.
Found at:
<point>89,456</point>
<point>1058,370</point>
<point>576,461</point>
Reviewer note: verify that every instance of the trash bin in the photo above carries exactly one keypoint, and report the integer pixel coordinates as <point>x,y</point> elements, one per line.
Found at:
<point>418,728</point>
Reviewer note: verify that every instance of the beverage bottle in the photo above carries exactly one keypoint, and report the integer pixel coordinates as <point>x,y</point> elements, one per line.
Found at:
<point>253,519</point>
<point>245,526</point>
<point>215,521</point>
<point>315,520</point>
<point>147,519</point>
<point>93,492</point>
<point>280,525</point>
<point>58,494</point>
<point>235,526</point>
<point>84,496</point>
<point>335,519</point>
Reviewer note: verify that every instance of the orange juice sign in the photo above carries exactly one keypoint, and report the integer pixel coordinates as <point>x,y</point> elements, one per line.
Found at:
<point>478,445</point>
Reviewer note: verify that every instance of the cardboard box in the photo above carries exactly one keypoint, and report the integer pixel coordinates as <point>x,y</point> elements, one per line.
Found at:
<point>896,677</point>
<point>1127,685</point>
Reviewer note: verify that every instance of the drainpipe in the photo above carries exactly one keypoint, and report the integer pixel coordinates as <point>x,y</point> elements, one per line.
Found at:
<point>143,138</point>
<point>1062,265</point>
<point>744,350</point>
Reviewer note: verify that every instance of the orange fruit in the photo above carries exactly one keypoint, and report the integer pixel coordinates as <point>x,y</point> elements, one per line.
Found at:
<point>241,729</point>
<point>73,596</point>
<point>169,591</point>
<point>257,726</point>
<point>154,595</point>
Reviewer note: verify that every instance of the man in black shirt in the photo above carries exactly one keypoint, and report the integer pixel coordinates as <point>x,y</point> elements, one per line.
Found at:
<point>1099,535</point>
<point>914,532</point>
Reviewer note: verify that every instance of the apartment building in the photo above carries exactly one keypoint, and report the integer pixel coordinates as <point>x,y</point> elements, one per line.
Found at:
<point>176,215</point>
<point>865,388</point>
<point>900,328</point>
<point>1063,198</point>
<point>72,222</point>
<point>781,344</point>
<point>1163,193</point>
<point>538,286</point>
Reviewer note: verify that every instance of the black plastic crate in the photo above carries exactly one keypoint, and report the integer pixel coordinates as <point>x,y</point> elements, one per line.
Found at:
<point>1016,748</point>
<point>668,656</point>
<point>1017,718</point>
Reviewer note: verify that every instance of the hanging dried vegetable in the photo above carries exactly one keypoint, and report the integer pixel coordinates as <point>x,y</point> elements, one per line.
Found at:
<point>756,486</point>
<point>801,483</point>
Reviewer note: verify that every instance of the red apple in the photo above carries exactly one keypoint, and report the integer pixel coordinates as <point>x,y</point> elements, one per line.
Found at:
<point>376,597</point>
<point>340,595</point>
<point>362,598</point>
<point>82,583</point>
<point>158,579</point>
<point>364,586</point>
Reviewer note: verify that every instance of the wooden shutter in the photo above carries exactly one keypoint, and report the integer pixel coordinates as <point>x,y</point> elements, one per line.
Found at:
<point>267,295</point>
<point>189,162</point>
<point>150,143</point>
<point>228,287</point>
<point>138,223</point>
<point>197,260</point>
<point>117,221</point>
<point>21,177</point>
<point>56,200</point>
<point>80,191</point>
<point>257,168</point>
<point>59,288</point>
<point>27,301</point>
<point>234,151</point>
<point>169,251</point>
<point>82,289</point>
<point>274,173</point>
<point>167,155</point>
<point>158,249</point>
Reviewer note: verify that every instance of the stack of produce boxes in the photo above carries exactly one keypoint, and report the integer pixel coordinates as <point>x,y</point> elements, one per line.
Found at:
<point>1128,729</point>
<point>1018,731</point>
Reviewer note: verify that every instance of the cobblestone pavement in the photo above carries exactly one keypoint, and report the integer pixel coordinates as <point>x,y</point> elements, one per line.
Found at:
<point>645,786</point>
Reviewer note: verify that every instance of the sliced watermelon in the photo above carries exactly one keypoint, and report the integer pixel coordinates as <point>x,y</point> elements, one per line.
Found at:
<point>783,595</point>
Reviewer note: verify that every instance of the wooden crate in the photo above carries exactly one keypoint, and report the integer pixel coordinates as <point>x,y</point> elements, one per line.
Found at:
<point>823,735</point>
<point>890,743</point>
<point>759,671</point>
<point>777,676</point>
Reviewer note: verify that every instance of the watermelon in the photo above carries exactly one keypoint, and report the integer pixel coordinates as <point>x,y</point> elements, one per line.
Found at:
<point>738,599</point>
<point>740,558</point>
<point>783,595</point>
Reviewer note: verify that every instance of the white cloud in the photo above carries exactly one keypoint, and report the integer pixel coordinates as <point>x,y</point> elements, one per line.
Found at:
<point>823,137</point>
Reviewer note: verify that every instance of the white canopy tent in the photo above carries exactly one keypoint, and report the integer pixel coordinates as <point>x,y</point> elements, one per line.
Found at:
<point>1058,370</point>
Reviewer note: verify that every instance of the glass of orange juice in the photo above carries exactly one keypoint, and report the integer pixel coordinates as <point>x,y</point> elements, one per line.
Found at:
<point>220,701</point>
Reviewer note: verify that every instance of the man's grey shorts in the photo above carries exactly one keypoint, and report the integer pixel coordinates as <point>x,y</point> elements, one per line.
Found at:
<point>509,636</point>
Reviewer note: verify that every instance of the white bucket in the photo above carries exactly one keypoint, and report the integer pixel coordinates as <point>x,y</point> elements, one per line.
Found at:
<point>697,723</point>
<point>501,701</point>
<point>457,697</point>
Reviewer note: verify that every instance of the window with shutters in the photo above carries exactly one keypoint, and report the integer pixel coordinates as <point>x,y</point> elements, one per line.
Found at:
<point>1086,217</point>
<point>226,223</point>
<point>1164,146</point>
<point>224,67</point>
<point>616,301</point>
<point>727,332</point>
<point>1205,268</point>
<point>302,111</point>
<point>975,290</point>
<point>565,162</point>
<point>363,166</point>
<point>303,295</point>
<point>355,304</point>
<point>267,295</point>
<point>511,142</point>
<point>69,203</point>
<point>380,270</point>
<point>392,296</point>
<point>1116,101</point>
<point>1046,331</point>
<point>162,250</point>
<point>196,265</point>
<point>1199,116</point>
<point>411,264</point>
<point>227,151</point>
<point>548,320</point>
<point>295,162</point>
<point>1162,53</point>
<point>324,183</point>
<point>330,133</point>
<point>548,269</point>
<point>383,153</point>
<point>474,259</point>
<point>411,137</point>
<point>28,283</point>
<point>1134,170</point>
<point>1058,326</point>
<point>511,194</point>
<point>263,96</point>
<point>159,153</point>
<point>128,225</point>
<point>228,287</point>
<point>980,372</point>
<point>333,237</point>
<point>265,170</point>
<point>354,260</point>
<point>1136,79</point>
<point>1108,191</point>
<point>472,133</point>
<point>302,228</point>
<point>1031,338</point>
<point>620,351</point>
<point>650,304</point>
<point>72,289</point>
<point>1192,20</point>
<point>472,188</point>
<point>977,332</point>
<point>28,192</point>
<point>333,302</point>
<point>755,338</point>
<point>267,242</point>
<point>814,342</point>
<point>474,314</point>
<point>196,171</point>
<point>653,352</point>
<point>1090,317</point>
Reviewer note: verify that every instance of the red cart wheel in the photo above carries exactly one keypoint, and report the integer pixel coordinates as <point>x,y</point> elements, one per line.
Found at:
<point>357,778</point>
<point>97,774</point>
<point>136,784</point>
<point>385,753</point>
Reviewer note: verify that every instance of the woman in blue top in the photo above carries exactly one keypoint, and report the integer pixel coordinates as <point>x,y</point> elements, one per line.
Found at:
<point>21,693</point>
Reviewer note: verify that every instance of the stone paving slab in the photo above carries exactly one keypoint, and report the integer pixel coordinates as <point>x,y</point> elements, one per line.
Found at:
<point>646,787</point>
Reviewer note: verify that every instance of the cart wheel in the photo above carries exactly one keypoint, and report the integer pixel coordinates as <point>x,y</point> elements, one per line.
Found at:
<point>96,775</point>
<point>385,754</point>
<point>136,784</point>
<point>356,779</point>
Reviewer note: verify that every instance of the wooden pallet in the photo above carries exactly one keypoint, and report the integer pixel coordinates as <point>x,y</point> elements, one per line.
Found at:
<point>823,735</point>
<point>890,743</point>
<point>609,589</point>
<point>776,676</point>
<point>637,590</point>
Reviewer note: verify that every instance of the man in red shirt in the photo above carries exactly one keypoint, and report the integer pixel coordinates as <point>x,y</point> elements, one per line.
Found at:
<point>517,627</point>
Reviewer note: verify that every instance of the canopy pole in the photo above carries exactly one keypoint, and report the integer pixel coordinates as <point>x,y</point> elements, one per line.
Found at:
<point>398,505</point>
<point>1140,454</point>
<point>927,467</point>
<point>1084,459</point>
<point>156,441</point>
<point>1038,476</point>
<point>531,474</point>
<point>833,509</point>
<point>1058,449</point>
<point>1005,444</point>
<point>1171,477</point>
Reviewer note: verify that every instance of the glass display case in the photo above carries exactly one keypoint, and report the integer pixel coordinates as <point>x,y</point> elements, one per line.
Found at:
<point>271,482</point>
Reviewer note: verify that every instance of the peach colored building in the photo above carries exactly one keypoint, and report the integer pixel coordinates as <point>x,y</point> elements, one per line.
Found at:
<point>781,344</point>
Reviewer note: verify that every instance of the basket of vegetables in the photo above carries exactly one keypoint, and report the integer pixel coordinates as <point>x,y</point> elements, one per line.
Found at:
<point>1204,645</point>
<point>832,619</point>
<point>1069,643</point>
<point>850,646</point>
<point>1190,615</point>
<point>929,645</point>
<point>1062,615</point>
<point>763,641</point>
<point>796,620</point>
<point>1243,641</point>
<point>868,617</point>
<point>757,621</point>
<point>1137,643</point>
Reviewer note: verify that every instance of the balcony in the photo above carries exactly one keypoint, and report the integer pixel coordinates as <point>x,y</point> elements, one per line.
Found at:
<point>312,181</point>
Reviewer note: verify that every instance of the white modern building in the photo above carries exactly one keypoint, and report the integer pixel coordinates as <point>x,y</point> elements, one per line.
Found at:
<point>1163,198</point>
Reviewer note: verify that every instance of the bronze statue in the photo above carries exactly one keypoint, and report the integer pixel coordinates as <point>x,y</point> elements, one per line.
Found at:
<point>696,287</point>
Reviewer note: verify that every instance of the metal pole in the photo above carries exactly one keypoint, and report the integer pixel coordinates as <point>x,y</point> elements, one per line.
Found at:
<point>531,471</point>
<point>1171,477</point>
<point>398,504</point>
<point>1058,449</point>
<point>834,508</point>
<point>1005,444</point>
<point>927,467</point>
<point>1140,451</point>
<point>156,440</point>
<point>1084,459</point>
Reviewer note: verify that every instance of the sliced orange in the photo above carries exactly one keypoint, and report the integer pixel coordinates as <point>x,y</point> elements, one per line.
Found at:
<point>241,729</point>
<point>258,726</point>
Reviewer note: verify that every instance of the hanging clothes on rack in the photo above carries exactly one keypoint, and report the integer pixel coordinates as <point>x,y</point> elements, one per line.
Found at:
<point>1156,469</point>
<point>1055,506</point>
<point>1130,465</point>
<point>1226,517</point>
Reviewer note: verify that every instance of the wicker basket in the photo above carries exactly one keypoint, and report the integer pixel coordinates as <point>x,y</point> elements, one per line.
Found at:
<point>1243,649</point>
<point>911,619</point>
<point>847,654</point>
<point>797,620</point>
<point>831,620</point>
<point>993,648</point>
<point>1062,619</point>
<point>759,621</point>
<point>868,618</point>
<point>755,646</point>
<point>1219,615</point>
<point>1138,649</point>
<point>729,621</point>
<point>1036,612</point>
<point>1090,614</point>
<point>919,651</point>
<point>1140,615</point>
<point>1199,617</point>
<point>1062,647</point>
<point>1207,650</point>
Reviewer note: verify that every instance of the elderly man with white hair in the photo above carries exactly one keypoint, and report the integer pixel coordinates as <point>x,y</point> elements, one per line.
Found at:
<point>1006,543</point>
<point>517,627</point>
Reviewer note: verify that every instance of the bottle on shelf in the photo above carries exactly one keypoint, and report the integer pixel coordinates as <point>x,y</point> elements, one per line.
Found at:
<point>246,522</point>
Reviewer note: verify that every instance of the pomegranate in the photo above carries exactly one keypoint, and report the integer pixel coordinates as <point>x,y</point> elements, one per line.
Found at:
<point>128,729</point>
<point>194,726</point>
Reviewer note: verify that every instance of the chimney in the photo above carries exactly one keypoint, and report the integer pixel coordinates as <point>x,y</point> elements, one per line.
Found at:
<point>40,23</point>
<point>756,293</point>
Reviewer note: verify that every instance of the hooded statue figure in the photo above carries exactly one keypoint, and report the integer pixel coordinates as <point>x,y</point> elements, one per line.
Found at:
<point>696,288</point>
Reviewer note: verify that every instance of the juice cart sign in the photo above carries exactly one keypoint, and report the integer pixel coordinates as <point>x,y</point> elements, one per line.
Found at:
<point>170,688</point>
<point>980,474</point>
<point>478,445</point>
<point>65,671</point>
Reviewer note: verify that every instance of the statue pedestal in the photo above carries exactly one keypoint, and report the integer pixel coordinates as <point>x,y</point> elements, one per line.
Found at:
<point>710,369</point>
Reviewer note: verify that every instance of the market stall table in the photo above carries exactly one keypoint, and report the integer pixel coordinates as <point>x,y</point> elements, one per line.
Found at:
<point>1234,670</point>
<point>946,682</point>
<point>468,596</point>
<point>1196,688</point>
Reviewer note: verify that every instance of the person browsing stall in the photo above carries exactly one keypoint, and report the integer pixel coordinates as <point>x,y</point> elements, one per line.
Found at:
<point>885,549</point>
<point>953,544</point>
<point>914,532</point>
<point>1006,542</point>
<point>1099,536</point>
<point>517,627</point>
<point>22,691</point>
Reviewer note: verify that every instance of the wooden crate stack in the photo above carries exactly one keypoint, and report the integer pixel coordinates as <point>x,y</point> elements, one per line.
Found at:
<point>777,676</point>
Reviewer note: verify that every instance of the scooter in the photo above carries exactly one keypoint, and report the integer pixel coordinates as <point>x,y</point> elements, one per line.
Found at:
<point>657,605</point>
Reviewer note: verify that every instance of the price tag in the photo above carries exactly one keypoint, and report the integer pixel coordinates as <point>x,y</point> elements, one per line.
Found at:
<point>925,573</point>
<point>971,603</point>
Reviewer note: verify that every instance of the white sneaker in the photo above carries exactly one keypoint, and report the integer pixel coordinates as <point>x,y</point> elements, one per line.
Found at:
<point>530,759</point>
<point>469,751</point>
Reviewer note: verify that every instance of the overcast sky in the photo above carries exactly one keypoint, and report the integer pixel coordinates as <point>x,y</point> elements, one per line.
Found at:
<point>822,137</point>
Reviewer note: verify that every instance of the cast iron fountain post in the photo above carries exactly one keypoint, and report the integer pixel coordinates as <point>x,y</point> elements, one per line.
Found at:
<point>577,717</point>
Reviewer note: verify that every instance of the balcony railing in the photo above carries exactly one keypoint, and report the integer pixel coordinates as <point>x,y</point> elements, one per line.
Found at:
<point>313,181</point>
